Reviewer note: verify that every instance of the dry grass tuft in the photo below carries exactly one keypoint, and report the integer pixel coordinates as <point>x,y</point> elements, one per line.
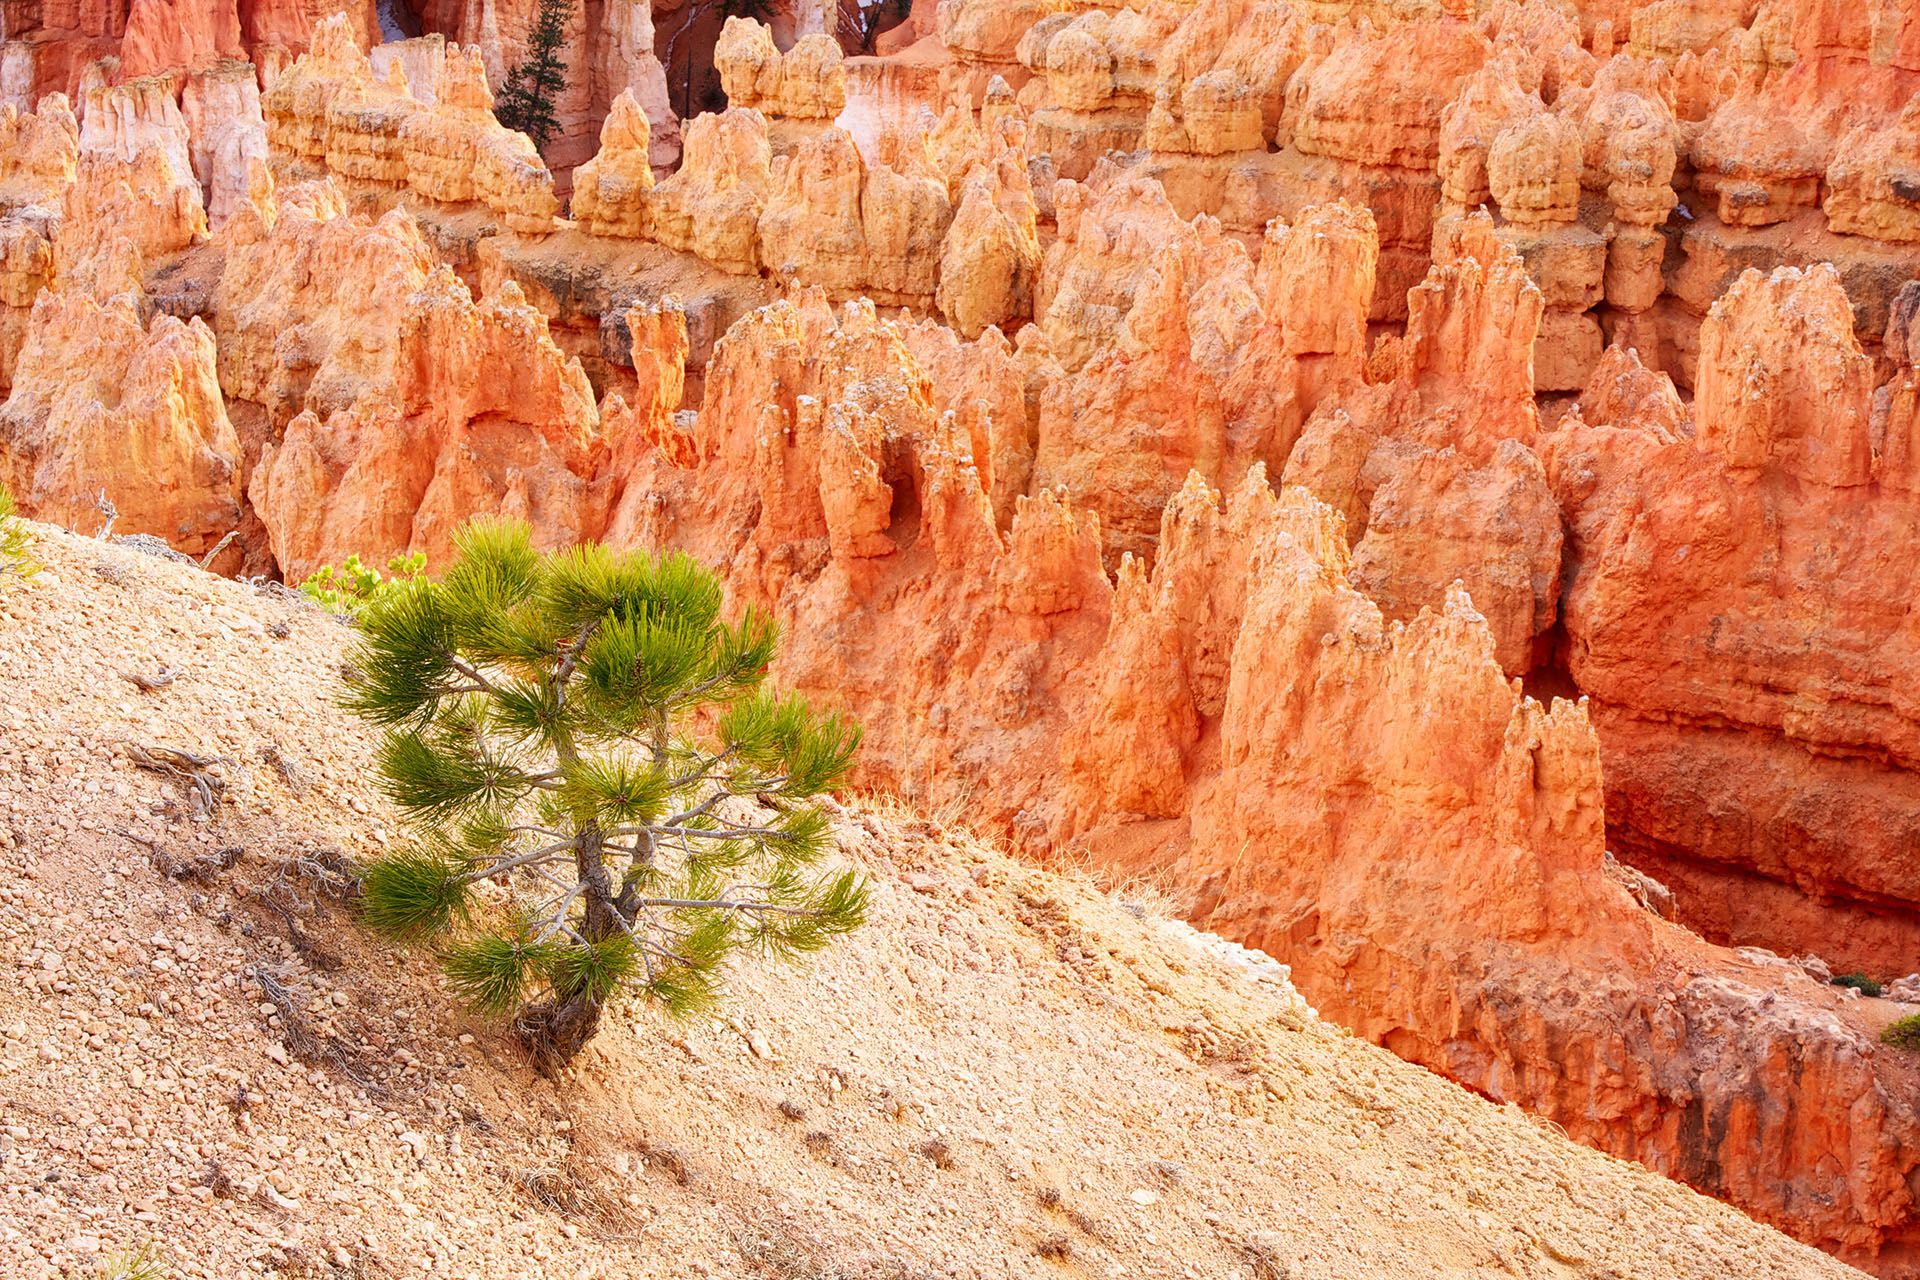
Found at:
<point>572,1194</point>
<point>1055,1248</point>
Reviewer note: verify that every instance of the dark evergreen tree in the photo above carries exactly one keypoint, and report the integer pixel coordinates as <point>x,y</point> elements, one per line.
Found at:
<point>526,101</point>
<point>605,799</point>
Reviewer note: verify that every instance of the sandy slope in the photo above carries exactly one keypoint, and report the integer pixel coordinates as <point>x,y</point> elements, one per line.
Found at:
<point>1007,1074</point>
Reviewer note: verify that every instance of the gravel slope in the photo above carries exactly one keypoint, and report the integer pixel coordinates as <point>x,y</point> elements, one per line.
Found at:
<point>1006,1074</point>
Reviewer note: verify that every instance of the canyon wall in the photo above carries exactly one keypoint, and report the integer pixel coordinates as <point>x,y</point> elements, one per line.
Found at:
<point>1450,517</point>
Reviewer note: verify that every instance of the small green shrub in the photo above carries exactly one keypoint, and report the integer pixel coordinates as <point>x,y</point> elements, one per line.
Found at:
<point>1859,982</point>
<point>350,589</point>
<point>1903,1033</point>
<point>15,559</point>
<point>577,736</point>
<point>137,1264</point>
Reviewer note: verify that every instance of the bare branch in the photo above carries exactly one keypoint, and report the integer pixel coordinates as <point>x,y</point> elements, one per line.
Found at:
<point>472,673</point>
<point>726,904</point>
<point>552,853</point>
<point>218,547</point>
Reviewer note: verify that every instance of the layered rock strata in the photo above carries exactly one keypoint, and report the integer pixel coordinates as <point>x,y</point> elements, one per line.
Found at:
<point>1297,395</point>
<point>330,112</point>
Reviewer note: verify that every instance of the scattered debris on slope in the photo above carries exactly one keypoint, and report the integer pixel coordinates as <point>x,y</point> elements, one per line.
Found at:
<point>1006,1073</point>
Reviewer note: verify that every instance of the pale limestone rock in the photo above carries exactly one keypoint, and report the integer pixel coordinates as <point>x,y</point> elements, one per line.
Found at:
<point>612,192</point>
<point>711,206</point>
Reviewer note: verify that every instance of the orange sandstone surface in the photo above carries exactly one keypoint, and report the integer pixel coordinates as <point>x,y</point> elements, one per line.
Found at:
<point>1434,483</point>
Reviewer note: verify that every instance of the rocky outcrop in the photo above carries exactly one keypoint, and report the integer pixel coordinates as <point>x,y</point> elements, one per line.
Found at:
<point>456,151</point>
<point>310,302</point>
<point>1489,103</point>
<point>826,467</point>
<point>1430,464</point>
<point>983,37</point>
<point>329,110</point>
<point>1341,246</point>
<point>227,134</point>
<point>1246,50</point>
<point>403,466</point>
<point>39,158</point>
<point>134,182</point>
<point>1094,82</point>
<point>39,154</point>
<point>711,206</point>
<point>296,106</point>
<point>627,66</point>
<point>1108,233</point>
<point>857,229</point>
<point>1241,717</point>
<point>102,404</point>
<point>1343,114</point>
<point>1757,737</point>
<point>612,193</point>
<point>176,35</point>
<point>991,255</point>
<point>808,82</point>
<point>1122,433</point>
<point>1308,340</point>
<point>1873,184</point>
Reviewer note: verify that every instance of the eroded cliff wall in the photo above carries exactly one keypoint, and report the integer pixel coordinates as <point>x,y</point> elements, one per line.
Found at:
<point>1368,491</point>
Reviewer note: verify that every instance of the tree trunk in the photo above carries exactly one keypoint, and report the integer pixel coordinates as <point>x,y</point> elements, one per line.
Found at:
<point>557,1029</point>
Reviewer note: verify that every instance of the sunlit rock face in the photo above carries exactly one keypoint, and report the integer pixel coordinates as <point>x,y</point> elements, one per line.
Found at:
<point>1431,483</point>
<point>1748,680</point>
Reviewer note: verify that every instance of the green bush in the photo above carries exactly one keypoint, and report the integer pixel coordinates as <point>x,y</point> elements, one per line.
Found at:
<point>16,559</point>
<point>1903,1033</point>
<point>349,589</point>
<point>1859,982</point>
<point>143,1263</point>
<point>605,798</point>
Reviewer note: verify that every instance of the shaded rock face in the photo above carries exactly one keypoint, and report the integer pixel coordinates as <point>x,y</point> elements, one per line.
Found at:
<point>1748,677</point>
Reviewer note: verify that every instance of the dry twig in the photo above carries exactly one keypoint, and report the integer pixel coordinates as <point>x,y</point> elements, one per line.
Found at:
<point>290,773</point>
<point>218,547</point>
<point>204,867</point>
<point>205,787</point>
<point>299,1037</point>
<point>151,683</point>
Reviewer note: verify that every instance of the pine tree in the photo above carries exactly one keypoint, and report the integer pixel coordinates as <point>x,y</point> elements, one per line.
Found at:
<point>526,101</point>
<point>580,833</point>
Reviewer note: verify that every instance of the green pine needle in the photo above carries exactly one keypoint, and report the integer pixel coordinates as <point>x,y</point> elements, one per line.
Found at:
<point>412,895</point>
<point>616,791</point>
<point>438,781</point>
<point>599,968</point>
<point>143,1263</point>
<point>684,993</point>
<point>16,558</point>
<point>493,975</point>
